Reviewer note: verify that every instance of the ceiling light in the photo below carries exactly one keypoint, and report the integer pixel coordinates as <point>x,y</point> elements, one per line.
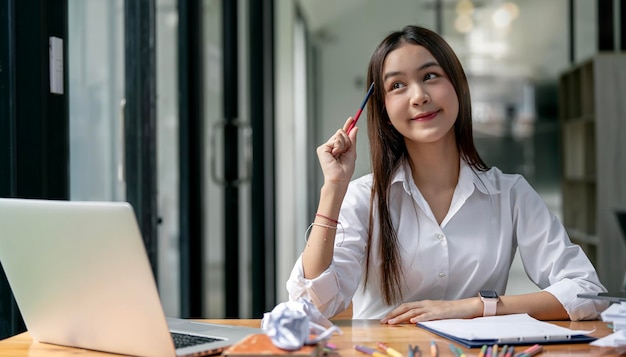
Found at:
<point>501,18</point>
<point>464,7</point>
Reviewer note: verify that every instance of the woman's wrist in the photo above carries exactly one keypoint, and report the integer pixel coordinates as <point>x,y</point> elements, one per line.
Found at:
<point>334,190</point>
<point>331,197</point>
<point>470,308</point>
<point>477,307</point>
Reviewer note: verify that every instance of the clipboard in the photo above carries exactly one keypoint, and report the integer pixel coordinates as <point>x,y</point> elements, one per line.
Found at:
<point>478,343</point>
<point>512,330</point>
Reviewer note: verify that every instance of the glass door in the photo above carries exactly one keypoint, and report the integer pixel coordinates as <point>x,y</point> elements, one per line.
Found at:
<point>227,169</point>
<point>239,184</point>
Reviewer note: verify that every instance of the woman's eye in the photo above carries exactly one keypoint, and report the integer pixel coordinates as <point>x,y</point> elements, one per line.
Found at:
<point>396,85</point>
<point>430,76</point>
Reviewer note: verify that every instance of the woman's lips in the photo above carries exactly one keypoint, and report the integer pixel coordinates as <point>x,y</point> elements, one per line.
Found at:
<point>425,116</point>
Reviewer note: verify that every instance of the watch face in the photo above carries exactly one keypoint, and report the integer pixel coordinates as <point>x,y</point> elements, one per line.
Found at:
<point>488,294</point>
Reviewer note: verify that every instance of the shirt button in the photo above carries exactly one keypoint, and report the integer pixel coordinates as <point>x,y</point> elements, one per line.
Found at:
<point>439,236</point>
<point>442,275</point>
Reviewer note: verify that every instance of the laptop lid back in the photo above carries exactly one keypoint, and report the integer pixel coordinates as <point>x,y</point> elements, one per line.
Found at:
<point>81,277</point>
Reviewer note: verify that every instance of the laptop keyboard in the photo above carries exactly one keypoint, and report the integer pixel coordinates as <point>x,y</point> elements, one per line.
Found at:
<point>183,340</point>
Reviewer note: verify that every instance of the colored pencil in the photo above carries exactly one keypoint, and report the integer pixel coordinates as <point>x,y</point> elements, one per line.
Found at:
<point>358,113</point>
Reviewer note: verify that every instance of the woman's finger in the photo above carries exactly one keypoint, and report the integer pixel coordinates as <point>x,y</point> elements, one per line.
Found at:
<point>347,124</point>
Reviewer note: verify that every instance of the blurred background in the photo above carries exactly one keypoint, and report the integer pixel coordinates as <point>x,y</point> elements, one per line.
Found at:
<point>205,115</point>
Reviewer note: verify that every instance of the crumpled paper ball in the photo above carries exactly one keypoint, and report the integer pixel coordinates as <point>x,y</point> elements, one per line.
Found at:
<point>292,324</point>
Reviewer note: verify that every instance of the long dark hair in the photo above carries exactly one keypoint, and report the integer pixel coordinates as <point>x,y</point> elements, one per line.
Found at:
<point>388,147</point>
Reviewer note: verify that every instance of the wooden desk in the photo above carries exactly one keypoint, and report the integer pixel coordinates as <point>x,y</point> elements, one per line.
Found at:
<point>362,332</point>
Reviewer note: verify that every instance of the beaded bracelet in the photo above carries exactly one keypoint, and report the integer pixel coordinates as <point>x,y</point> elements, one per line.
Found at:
<point>323,225</point>
<point>306,233</point>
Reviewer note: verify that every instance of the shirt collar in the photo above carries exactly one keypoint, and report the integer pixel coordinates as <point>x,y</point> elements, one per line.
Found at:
<point>467,176</point>
<point>479,178</point>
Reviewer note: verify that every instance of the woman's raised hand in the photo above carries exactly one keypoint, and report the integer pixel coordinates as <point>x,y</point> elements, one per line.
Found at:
<point>337,156</point>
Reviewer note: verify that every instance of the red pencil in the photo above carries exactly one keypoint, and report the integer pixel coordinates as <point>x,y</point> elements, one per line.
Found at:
<point>358,113</point>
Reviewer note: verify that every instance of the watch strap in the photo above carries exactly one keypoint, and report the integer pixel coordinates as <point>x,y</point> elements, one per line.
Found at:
<point>490,304</point>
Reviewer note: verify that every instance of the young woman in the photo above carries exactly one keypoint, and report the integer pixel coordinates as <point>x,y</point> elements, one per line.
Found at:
<point>432,232</point>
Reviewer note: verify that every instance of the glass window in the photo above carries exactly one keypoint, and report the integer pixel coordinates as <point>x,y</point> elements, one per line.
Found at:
<point>96,92</point>
<point>167,154</point>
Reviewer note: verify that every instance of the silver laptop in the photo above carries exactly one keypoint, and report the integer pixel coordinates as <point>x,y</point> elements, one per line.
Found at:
<point>81,277</point>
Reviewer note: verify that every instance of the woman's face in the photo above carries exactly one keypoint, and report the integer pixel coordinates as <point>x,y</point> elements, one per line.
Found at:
<point>419,98</point>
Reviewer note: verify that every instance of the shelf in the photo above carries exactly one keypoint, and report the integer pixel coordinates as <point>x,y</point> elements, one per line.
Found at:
<point>591,112</point>
<point>579,149</point>
<point>587,104</point>
<point>579,206</point>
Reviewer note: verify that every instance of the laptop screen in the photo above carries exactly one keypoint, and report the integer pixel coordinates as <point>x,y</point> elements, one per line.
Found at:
<point>81,276</point>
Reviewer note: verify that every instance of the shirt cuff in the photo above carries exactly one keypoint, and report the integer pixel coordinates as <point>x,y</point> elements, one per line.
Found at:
<point>323,291</point>
<point>566,292</point>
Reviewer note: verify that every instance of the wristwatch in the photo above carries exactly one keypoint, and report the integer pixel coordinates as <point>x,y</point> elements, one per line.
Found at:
<point>490,300</point>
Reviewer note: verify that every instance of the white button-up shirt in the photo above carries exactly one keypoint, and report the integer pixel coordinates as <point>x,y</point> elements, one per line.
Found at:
<point>491,215</point>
